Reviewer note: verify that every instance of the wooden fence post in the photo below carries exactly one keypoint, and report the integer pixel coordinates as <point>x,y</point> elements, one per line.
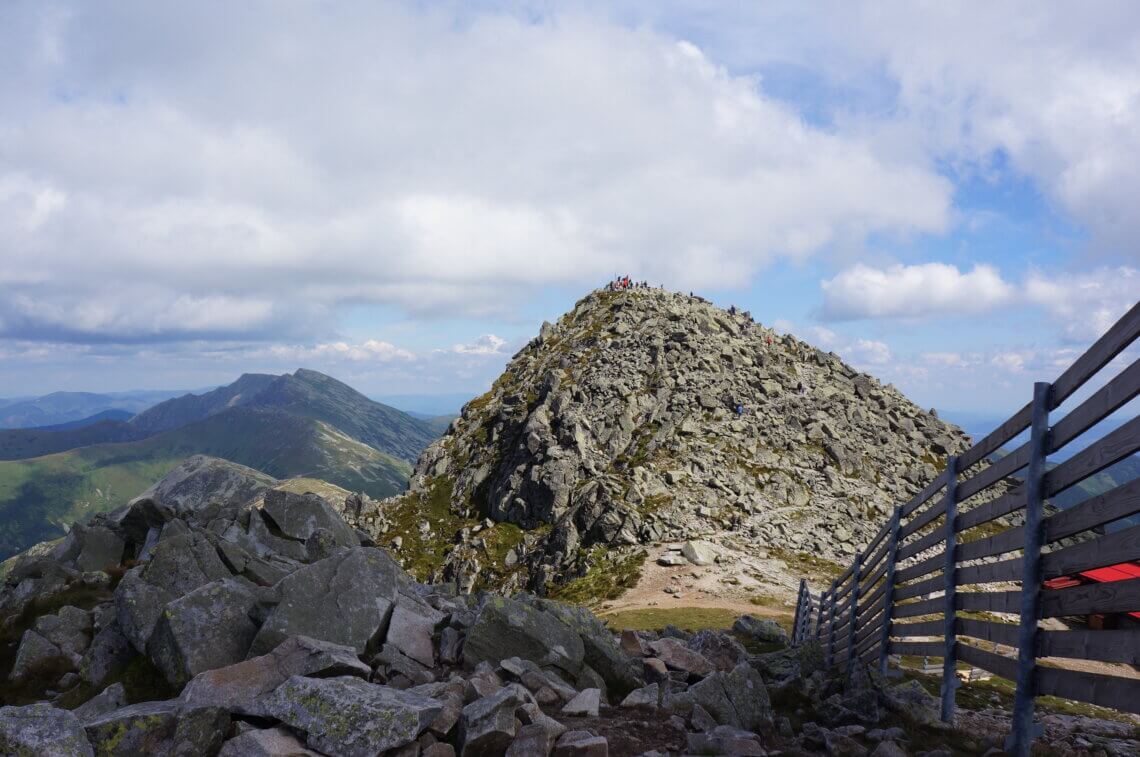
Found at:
<point>950,636</point>
<point>856,575</point>
<point>819,617</point>
<point>831,626</point>
<point>889,590</point>
<point>799,614</point>
<point>1022,731</point>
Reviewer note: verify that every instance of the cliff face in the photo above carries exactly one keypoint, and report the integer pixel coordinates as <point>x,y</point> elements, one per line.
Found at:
<point>646,416</point>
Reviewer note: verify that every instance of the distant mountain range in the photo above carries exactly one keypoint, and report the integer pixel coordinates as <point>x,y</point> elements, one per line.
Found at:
<point>300,424</point>
<point>65,407</point>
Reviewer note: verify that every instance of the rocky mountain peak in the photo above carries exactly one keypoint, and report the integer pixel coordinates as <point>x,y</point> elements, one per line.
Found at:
<point>646,415</point>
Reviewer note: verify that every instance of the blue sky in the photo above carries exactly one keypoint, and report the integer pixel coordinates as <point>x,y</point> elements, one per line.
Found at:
<point>399,194</point>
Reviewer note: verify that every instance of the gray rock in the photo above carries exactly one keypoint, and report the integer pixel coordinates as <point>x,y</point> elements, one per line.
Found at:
<point>344,599</point>
<point>411,633</point>
<point>510,628</point>
<point>725,740</point>
<point>40,729</point>
<point>100,548</point>
<point>201,480</point>
<point>746,690</point>
<point>677,656</point>
<point>489,725</point>
<point>699,553</point>
<point>210,627</point>
<point>38,659</point>
<point>585,704</point>
<point>110,699</point>
<point>109,654</point>
<point>602,653</point>
<point>242,688</point>
<point>269,742</point>
<point>347,716</point>
<point>648,696</point>
<point>299,516</point>
<point>762,630</point>
<point>581,744</point>
<point>723,651</point>
<point>158,728</point>
<point>531,741</point>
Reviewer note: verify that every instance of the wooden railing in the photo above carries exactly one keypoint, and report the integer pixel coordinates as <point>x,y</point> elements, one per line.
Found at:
<point>919,587</point>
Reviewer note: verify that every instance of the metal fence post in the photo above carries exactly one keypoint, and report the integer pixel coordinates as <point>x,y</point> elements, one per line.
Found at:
<point>831,626</point>
<point>950,636</point>
<point>1022,731</point>
<point>889,590</point>
<point>856,575</point>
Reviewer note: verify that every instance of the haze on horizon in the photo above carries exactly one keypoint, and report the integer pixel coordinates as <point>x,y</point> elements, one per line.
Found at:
<point>399,194</point>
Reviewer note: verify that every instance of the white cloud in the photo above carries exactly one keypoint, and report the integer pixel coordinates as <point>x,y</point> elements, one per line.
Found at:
<point>1086,304</point>
<point>942,358</point>
<point>1014,362</point>
<point>299,158</point>
<point>912,291</point>
<point>488,344</point>
<point>870,352</point>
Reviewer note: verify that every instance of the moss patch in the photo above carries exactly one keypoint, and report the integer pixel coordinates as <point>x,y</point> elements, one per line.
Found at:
<point>656,618</point>
<point>607,577</point>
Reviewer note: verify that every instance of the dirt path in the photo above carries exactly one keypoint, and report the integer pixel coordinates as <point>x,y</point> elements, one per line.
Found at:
<point>746,585</point>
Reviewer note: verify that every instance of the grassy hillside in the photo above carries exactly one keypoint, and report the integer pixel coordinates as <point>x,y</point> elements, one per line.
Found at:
<point>39,495</point>
<point>24,443</point>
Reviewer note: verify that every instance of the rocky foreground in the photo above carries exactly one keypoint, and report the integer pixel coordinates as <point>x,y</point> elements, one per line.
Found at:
<point>193,622</point>
<point>648,416</point>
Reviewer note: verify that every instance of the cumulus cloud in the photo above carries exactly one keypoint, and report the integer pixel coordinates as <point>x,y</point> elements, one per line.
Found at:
<point>1085,304</point>
<point>161,164</point>
<point>488,344</point>
<point>912,291</point>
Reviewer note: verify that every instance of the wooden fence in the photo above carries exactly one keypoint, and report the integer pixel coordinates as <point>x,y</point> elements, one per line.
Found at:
<point>920,586</point>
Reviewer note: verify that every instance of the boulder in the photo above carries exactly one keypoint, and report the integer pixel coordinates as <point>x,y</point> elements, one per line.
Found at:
<point>100,548</point>
<point>110,699</point>
<point>761,630</point>
<point>581,744</point>
<point>725,740</point>
<point>211,627</point>
<point>489,725</point>
<point>158,728</point>
<point>532,740</point>
<point>411,633</point>
<point>299,516</point>
<point>648,696</point>
<point>201,480</point>
<point>40,729</point>
<point>350,717</point>
<point>677,656</point>
<point>345,599</point>
<point>510,628</point>
<point>109,654</point>
<point>268,742</point>
<point>241,688</point>
<point>602,652</point>
<point>37,659</point>
<point>585,704</point>
<point>723,651</point>
<point>699,553</point>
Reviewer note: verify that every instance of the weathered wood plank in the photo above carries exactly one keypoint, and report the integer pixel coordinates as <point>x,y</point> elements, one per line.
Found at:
<point>878,556</point>
<point>1116,339</point>
<point>1106,646</point>
<point>923,628</point>
<point>996,438</point>
<point>1009,464</point>
<point>987,511</point>
<point>989,601</point>
<point>990,573</point>
<point>920,545</point>
<point>873,579</point>
<point>999,665</point>
<point>918,648</point>
<point>1114,504</point>
<point>1107,691</point>
<point>929,565</point>
<point>886,529</point>
<point>925,607</point>
<point>1119,596</point>
<point>988,630</point>
<point>1096,408</point>
<point>928,586</point>
<point>874,596</point>
<point>1009,540</point>
<point>1112,447</point>
<point>873,630</point>
<point>1110,549</point>
<point>923,519</point>
<point>871,642</point>
<point>930,490</point>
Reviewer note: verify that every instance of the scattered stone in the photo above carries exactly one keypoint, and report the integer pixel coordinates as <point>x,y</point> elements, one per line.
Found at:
<point>488,725</point>
<point>648,696</point>
<point>581,744</point>
<point>677,656</point>
<point>269,742</point>
<point>586,703</point>
<point>699,553</point>
<point>40,729</point>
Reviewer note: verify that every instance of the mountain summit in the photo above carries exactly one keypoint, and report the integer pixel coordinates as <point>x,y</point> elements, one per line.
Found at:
<point>646,416</point>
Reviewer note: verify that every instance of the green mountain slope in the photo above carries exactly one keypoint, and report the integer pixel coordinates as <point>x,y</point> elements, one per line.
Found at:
<point>24,443</point>
<point>40,495</point>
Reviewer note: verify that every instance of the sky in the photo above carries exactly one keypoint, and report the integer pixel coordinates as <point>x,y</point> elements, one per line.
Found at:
<point>398,194</point>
